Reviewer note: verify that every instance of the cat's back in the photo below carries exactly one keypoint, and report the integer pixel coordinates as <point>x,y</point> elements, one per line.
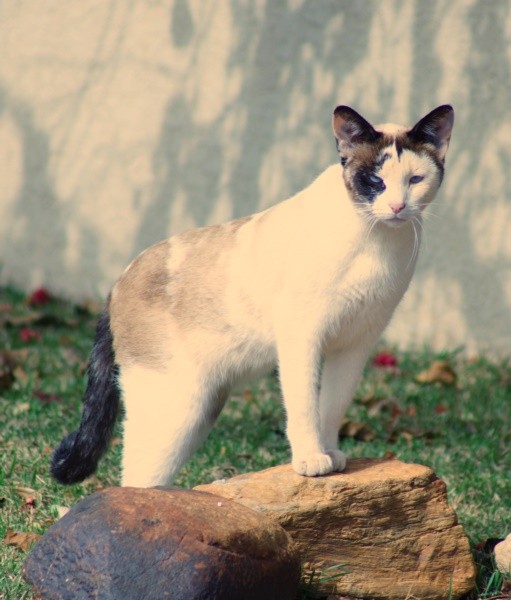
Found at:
<point>177,282</point>
<point>230,275</point>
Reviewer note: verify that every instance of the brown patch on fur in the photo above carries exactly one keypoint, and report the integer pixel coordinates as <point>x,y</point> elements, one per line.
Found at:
<point>404,142</point>
<point>155,297</point>
<point>367,154</point>
<point>197,279</point>
<point>364,156</point>
<point>212,232</point>
<point>148,276</point>
<point>137,307</point>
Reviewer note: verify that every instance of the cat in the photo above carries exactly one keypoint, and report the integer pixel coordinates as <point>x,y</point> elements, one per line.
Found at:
<point>308,285</point>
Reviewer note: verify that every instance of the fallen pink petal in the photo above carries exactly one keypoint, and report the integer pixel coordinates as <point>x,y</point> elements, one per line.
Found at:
<point>28,335</point>
<point>384,359</point>
<point>39,297</point>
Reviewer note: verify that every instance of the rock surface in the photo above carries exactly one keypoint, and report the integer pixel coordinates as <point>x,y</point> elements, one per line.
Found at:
<point>387,521</point>
<point>129,544</point>
<point>503,555</point>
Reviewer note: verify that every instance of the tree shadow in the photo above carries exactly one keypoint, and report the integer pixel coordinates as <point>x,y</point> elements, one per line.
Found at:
<point>193,164</point>
<point>478,158</point>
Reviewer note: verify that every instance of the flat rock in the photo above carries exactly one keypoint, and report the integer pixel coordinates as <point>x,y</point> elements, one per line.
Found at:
<point>503,555</point>
<point>386,522</point>
<point>130,543</point>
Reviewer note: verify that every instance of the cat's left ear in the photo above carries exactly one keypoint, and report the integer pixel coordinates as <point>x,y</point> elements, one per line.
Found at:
<point>435,128</point>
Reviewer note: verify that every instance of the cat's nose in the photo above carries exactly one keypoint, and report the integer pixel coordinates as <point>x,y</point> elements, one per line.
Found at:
<point>397,207</point>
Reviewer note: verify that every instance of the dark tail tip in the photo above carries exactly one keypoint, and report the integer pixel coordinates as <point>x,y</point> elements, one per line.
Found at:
<point>68,464</point>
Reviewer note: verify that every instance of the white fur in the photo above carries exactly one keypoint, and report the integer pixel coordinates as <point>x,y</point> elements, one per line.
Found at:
<point>312,278</point>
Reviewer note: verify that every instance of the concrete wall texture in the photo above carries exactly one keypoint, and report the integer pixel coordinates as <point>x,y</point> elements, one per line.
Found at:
<point>122,122</point>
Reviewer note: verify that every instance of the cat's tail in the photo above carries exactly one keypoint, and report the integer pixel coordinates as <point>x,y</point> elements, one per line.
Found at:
<point>78,454</point>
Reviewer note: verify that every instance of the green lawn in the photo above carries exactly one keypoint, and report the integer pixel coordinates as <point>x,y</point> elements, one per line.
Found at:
<point>460,428</point>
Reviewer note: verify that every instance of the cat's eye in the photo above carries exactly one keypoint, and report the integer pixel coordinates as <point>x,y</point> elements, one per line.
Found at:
<point>415,179</point>
<point>374,179</point>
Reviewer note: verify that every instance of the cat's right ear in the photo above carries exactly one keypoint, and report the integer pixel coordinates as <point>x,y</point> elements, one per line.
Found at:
<point>351,129</point>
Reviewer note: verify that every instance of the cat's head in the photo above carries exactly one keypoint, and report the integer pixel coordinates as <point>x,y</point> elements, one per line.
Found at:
<point>392,172</point>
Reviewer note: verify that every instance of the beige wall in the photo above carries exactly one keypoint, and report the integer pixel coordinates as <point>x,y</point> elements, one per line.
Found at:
<point>124,122</point>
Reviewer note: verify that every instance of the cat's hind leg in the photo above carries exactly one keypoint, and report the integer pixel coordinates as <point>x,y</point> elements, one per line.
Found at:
<point>168,415</point>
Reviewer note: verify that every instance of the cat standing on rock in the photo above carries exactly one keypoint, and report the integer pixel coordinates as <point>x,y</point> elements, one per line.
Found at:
<point>308,285</point>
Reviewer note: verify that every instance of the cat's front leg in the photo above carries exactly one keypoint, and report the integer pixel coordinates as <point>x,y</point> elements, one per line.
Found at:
<point>341,373</point>
<point>299,371</point>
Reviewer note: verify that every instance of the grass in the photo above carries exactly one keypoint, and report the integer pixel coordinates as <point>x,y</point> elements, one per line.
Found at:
<point>461,430</point>
<point>312,579</point>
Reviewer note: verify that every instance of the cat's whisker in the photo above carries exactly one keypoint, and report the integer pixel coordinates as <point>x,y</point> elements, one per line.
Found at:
<point>373,220</point>
<point>415,247</point>
<point>429,214</point>
<point>418,232</point>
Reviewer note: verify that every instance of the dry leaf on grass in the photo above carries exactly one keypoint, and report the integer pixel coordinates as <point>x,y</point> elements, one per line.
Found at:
<point>392,404</point>
<point>46,398</point>
<point>9,366</point>
<point>21,375</point>
<point>410,434</point>
<point>21,540</point>
<point>355,430</point>
<point>440,371</point>
<point>20,408</point>
<point>411,411</point>
<point>377,404</point>
<point>368,399</point>
<point>24,491</point>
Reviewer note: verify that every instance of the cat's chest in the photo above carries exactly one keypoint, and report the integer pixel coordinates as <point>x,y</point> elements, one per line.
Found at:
<point>365,282</point>
<point>364,294</point>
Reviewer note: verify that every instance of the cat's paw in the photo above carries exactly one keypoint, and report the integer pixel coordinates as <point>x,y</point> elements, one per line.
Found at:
<point>314,464</point>
<point>338,459</point>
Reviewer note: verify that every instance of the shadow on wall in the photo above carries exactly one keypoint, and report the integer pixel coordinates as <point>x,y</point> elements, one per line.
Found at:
<point>37,207</point>
<point>278,65</point>
<point>288,64</point>
<point>478,182</point>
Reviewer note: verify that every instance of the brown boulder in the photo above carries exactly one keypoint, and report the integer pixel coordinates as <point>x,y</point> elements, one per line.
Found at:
<point>129,544</point>
<point>503,556</point>
<point>387,522</point>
